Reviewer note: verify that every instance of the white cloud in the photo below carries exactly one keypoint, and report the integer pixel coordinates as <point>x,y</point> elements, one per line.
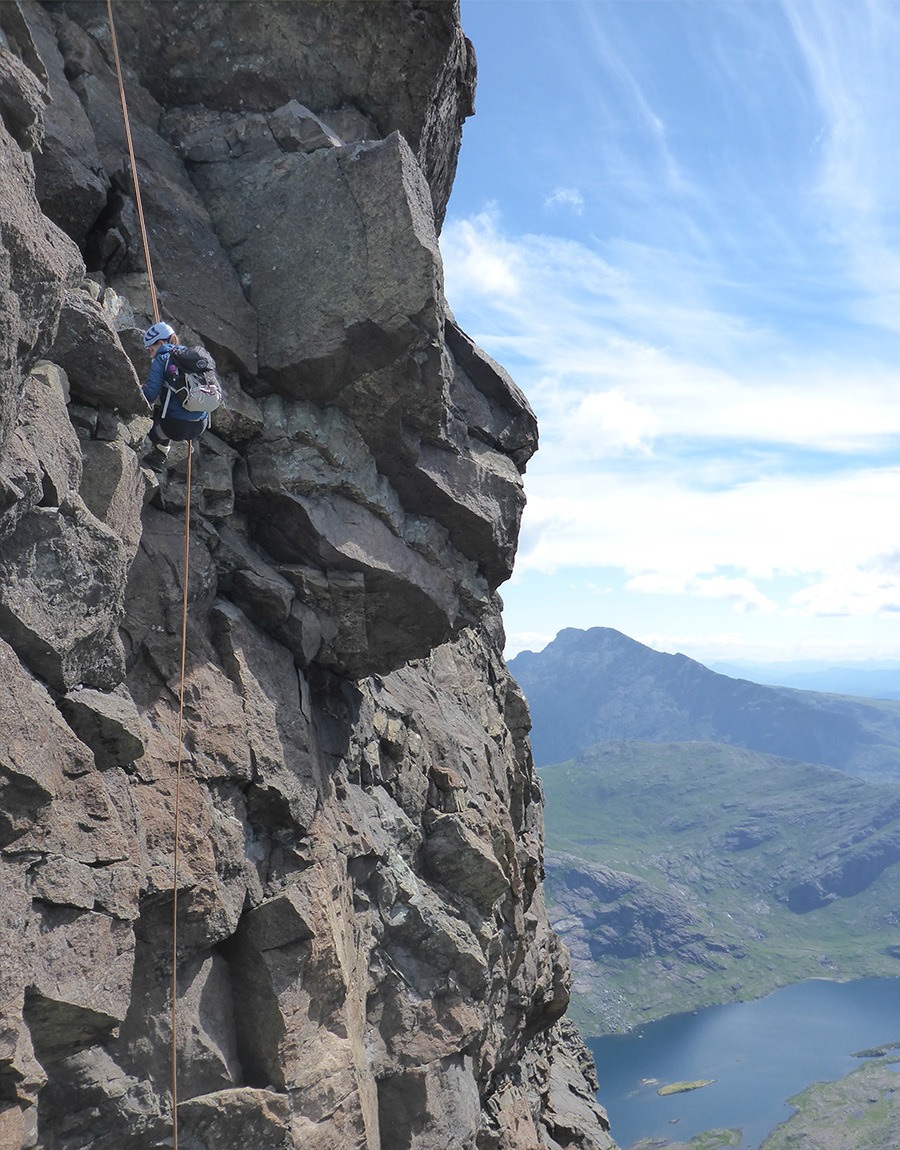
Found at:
<point>526,641</point>
<point>714,364</point>
<point>849,51</point>
<point>853,591</point>
<point>745,596</point>
<point>566,197</point>
<point>789,525</point>
<point>478,268</point>
<point>701,456</point>
<point>615,358</point>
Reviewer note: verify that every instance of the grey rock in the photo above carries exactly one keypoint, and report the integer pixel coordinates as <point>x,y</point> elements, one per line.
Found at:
<point>59,1027</point>
<point>23,80</point>
<point>297,129</point>
<point>255,586</point>
<point>371,276</point>
<point>364,956</point>
<point>69,178</point>
<point>240,418</point>
<point>459,859</point>
<point>283,920</point>
<point>281,742</point>
<point>43,422</point>
<point>89,349</point>
<point>32,286</point>
<point>215,476</point>
<point>60,557</point>
<point>237,1118</point>
<point>197,133</point>
<point>315,495</point>
<point>31,769</point>
<point>573,1115</point>
<point>113,488</point>
<point>351,125</point>
<point>494,408</point>
<point>430,1107</point>
<point>193,279</point>
<point>108,723</point>
<point>350,54</point>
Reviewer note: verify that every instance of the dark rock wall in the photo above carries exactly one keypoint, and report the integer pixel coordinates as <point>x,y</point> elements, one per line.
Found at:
<point>364,956</point>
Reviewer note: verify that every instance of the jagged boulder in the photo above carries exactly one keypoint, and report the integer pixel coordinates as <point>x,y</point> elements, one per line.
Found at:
<point>63,571</point>
<point>351,59</point>
<point>363,233</point>
<point>33,285</point>
<point>88,349</point>
<point>70,182</point>
<point>108,723</point>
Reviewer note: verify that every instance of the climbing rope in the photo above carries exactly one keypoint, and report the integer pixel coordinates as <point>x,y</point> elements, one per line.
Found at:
<point>134,171</point>
<point>184,609</point>
<point>184,601</point>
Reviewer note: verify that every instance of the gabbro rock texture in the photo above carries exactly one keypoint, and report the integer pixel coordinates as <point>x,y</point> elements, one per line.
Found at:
<point>364,958</point>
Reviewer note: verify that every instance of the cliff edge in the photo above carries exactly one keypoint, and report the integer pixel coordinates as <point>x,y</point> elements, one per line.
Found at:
<point>364,957</point>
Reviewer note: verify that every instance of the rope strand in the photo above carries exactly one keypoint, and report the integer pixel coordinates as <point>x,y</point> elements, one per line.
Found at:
<point>184,611</point>
<point>184,604</point>
<point>134,170</point>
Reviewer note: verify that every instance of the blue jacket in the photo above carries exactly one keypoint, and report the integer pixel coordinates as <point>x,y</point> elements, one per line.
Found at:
<point>155,387</point>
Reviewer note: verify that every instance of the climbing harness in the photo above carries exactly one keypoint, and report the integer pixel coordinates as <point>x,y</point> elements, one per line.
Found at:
<point>184,602</point>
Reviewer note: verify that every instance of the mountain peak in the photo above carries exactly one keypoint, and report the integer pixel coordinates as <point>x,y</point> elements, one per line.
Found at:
<point>599,685</point>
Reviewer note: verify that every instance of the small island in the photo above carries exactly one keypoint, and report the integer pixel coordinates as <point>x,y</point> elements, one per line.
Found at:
<point>876,1051</point>
<point>682,1087</point>
<point>708,1140</point>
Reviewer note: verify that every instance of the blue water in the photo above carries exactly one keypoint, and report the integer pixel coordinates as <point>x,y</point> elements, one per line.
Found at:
<point>760,1053</point>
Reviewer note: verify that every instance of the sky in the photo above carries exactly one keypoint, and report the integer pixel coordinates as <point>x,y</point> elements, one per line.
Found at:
<point>676,223</point>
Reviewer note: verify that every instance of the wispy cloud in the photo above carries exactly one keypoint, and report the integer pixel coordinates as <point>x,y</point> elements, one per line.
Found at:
<point>619,357</point>
<point>703,311</point>
<point>743,594</point>
<point>801,524</point>
<point>659,462</point>
<point>566,197</point>
<point>849,52</point>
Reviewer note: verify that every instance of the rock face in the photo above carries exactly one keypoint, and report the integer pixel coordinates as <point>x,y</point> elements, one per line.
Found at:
<point>364,957</point>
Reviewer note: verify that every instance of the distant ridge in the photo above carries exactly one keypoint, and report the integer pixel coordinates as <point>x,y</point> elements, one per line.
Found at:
<point>598,685</point>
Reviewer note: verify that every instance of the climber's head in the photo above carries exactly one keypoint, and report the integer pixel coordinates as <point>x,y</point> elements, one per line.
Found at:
<point>157,334</point>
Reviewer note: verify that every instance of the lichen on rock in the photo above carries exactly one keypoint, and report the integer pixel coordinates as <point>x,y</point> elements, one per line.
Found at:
<point>364,957</point>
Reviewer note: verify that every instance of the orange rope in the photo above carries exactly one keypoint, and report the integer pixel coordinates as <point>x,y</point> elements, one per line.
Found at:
<point>184,604</point>
<point>184,611</point>
<point>131,156</point>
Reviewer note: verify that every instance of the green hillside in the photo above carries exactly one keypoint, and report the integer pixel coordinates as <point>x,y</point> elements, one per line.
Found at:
<point>686,874</point>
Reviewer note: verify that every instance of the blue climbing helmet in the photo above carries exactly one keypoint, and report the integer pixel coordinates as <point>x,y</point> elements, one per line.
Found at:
<point>154,334</point>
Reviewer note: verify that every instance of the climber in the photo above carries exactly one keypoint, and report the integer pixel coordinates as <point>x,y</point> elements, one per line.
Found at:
<point>170,419</point>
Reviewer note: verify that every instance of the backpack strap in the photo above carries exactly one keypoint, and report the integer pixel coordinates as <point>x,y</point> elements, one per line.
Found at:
<point>166,386</point>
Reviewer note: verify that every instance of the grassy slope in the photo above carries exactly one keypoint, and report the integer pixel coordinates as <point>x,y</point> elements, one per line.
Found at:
<point>671,815</point>
<point>858,1112</point>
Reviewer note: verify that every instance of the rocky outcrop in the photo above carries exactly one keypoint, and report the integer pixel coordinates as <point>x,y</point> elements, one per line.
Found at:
<point>364,956</point>
<point>601,912</point>
<point>849,866</point>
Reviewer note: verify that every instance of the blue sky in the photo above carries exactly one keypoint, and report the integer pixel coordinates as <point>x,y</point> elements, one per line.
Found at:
<point>677,224</point>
